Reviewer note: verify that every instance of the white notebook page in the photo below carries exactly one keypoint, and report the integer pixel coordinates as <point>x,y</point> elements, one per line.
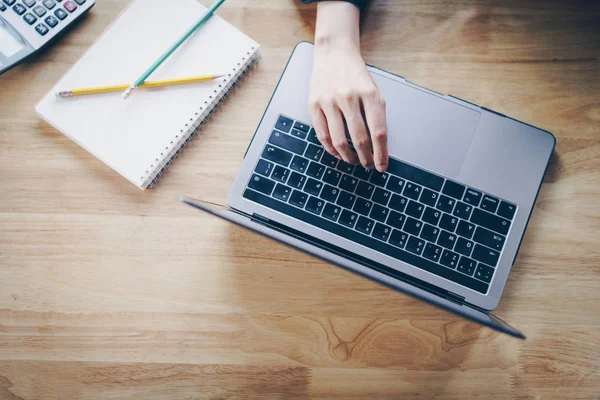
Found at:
<point>129,135</point>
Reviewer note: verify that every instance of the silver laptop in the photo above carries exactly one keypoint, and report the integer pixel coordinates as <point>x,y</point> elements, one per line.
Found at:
<point>443,223</point>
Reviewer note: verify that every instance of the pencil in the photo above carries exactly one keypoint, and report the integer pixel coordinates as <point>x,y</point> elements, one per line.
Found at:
<point>145,85</point>
<point>171,49</point>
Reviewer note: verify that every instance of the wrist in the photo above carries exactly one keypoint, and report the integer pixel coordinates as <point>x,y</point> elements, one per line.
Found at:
<point>337,27</point>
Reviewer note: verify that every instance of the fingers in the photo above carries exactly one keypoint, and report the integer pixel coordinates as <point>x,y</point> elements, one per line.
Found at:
<point>374,107</point>
<point>320,124</point>
<point>358,130</point>
<point>338,134</point>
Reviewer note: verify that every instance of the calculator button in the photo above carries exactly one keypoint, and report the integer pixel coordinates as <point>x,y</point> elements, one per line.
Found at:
<point>39,10</point>
<point>60,13</point>
<point>41,29</point>
<point>2,7</point>
<point>70,6</point>
<point>29,18</point>
<point>49,4</point>
<point>50,20</point>
<point>80,2</point>
<point>29,3</point>
<point>19,9</point>
<point>9,2</point>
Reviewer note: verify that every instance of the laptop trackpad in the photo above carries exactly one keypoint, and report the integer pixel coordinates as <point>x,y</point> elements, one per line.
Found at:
<point>427,130</point>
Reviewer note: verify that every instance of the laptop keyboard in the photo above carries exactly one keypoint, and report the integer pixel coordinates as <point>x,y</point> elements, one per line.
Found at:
<point>443,227</point>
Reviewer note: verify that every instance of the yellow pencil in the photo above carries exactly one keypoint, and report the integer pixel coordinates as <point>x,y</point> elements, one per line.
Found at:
<point>148,84</point>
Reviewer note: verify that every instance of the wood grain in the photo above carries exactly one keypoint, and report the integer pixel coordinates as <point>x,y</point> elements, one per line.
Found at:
<point>110,292</point>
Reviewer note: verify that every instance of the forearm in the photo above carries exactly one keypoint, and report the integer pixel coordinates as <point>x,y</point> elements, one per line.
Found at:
<point>337,27</point>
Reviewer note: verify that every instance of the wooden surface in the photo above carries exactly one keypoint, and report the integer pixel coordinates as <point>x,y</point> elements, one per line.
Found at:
<point>110,292</point>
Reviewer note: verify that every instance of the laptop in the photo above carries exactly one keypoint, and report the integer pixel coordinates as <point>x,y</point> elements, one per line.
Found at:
<point>443,224</point>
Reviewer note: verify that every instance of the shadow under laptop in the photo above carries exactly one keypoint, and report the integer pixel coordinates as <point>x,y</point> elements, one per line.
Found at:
<point>319,315</point>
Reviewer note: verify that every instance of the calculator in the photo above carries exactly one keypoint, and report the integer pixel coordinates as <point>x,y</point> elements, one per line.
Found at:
<point>26,26</point>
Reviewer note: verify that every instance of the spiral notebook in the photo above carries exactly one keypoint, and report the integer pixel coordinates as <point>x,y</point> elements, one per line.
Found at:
<point>139,137</point>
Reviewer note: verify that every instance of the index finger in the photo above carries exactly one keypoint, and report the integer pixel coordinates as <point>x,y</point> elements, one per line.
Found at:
<point>374,107</point>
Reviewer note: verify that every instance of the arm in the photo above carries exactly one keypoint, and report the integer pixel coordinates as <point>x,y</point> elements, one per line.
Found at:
<point>342,92</point>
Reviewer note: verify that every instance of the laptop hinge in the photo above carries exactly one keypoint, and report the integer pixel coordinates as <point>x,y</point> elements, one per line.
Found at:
<point>428,287</point>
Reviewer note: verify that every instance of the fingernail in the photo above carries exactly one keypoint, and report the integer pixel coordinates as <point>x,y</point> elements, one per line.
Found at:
<point>381,167</point>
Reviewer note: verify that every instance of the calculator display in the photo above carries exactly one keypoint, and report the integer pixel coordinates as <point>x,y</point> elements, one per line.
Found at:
<point>9,45</point>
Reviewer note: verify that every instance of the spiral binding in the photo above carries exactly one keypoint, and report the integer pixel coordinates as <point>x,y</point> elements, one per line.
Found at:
<point>176,146</point>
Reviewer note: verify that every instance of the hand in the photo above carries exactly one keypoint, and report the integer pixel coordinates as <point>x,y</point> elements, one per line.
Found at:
<point>342,92</point>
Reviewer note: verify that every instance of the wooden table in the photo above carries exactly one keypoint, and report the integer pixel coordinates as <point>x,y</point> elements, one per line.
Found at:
<point>110,292</point>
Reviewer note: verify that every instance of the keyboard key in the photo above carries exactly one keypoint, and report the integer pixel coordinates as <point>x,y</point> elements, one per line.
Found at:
<point>298,199</point>
<point>345,167</point>
<point>60,13</point>
<point>449,259</point>
<point>446,239</point>
<point>329,160</point>
<point>49,4</point>
<point>429,197</point>
<point>381,232</point>
<point>299,164</point>
<point>485,255</point>
<point>39,10</point>
<point>398,203</point>
<point>362,173</point>
<point>42,29</point>
<point>378,178</point>
<point>395,184</point>
<point>465,229</point>
<point>314,153</point>
<point>364,225</point>
<point>332,176</point>
<point>330,193</point>
<point>29,3</point>
<point>346,199</point>
<point>396,219</point>
<point>297,180</point>
<point>312,137</point>
<point>315,170</point>
<point>473,197</point>
<point>415,245</point>
<point>385,248</point>
<point>264,167</point>
<point>51,21</point>
<point>462,210</point>
<point>261,184</point>
<point>283,124</point>
<point>80,2</point>
<point>432,252</point>
<point>490,221</point>
<point>282,192</point>
<point>280,174</point>
<point>313,187</point>
<point>381,196</point>
<point>315,205</point>
<point>415,209</point>
<point>398,238</point>
<point>298,134</point>
<point>29,18</point>
<point>454,189</point>
<point>466,265</point>
<point>348,218</point>
<point>412,191</point>
<point>9,2</point>
<point>484,273</point>
<point>301,127</point>
<point>365,189</point>
<point>412,226</point>
<point>463,246</point>
<point>489,203</point>
<point>445,204</point>
<point>362,206</point>
<point>277,155</point>
<point>3,7</point>
<point>489,238</point>
<point>431,216</point>
<point>415,174</point>
<point>448,222</point>
<point>331,211</point>
<point>19,9</point>
<point>348,183</point>
<point>287,142</point>
<point>379,213</point>
<point>429,233</point>
<point>506,210</point>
